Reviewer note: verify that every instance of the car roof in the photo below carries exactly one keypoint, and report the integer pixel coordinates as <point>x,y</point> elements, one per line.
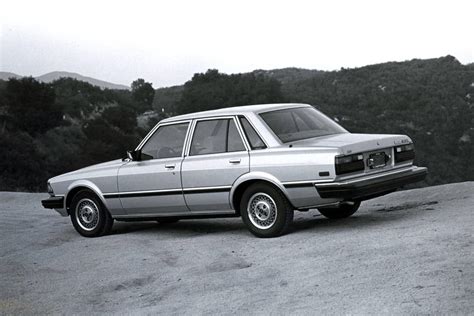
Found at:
<point>237,110</point>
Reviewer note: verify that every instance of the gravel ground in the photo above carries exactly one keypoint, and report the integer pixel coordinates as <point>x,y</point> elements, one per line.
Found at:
<point>410,252</point>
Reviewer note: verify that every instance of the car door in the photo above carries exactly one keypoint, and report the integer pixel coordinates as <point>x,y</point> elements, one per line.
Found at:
<point>152,186</point>
<point>217,156</point>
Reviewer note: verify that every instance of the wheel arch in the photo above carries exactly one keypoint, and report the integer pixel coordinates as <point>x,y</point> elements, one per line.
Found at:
<point>242,183</point>
<point>78,186</point>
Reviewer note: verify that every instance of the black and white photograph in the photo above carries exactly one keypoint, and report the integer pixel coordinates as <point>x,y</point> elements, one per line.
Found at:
<point>236,157</point>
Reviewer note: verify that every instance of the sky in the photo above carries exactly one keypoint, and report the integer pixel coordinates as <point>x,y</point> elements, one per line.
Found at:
<point>166,42</point>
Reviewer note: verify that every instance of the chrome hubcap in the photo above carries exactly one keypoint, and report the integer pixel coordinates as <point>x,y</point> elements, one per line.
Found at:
<point>87,214</point>
<point>262,210</point>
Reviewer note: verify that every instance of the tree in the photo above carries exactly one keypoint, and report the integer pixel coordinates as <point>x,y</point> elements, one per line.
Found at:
<point>105,141</point>
<point>31,105</point>
<point>121,117</point>
<point>143,93</point>
<point>21,164</point>
<point>213,90</point>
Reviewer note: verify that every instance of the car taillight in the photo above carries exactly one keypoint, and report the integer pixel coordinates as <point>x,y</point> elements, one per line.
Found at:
<point>351,163</point>
<point>404,153</point>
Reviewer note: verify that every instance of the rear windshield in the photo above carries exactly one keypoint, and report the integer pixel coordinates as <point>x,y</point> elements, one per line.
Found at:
<point>300,123</point>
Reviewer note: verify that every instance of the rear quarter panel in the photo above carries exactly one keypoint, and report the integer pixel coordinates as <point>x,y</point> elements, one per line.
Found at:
<point>297,165</point>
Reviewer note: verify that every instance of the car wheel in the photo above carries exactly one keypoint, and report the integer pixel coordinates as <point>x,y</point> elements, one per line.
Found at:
<point>266,211</point>
<point>170,220</point>
<point>343,211</point>
<point>89,216</point>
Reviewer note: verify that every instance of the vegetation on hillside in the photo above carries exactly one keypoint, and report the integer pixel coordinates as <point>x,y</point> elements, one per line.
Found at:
<point>431,100</point>
<point>48,129</point>
<point>213,90</point>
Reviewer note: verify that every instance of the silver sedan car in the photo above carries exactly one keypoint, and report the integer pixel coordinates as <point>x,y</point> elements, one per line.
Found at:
<point>259,162</point>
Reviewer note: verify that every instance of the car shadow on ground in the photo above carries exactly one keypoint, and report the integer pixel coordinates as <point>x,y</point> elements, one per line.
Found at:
<point>312,220</point>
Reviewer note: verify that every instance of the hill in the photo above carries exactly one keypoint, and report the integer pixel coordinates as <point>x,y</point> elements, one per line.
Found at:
<point>7,75</point>
<point>430,100</point>
<point>55,75</point>
<point>407,253</point>
<point>72,123</point>
<point>290,75</point>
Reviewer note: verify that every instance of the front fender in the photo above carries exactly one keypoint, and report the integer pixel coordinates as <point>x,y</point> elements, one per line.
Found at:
<point>84,184</point>
<point>113,205</point>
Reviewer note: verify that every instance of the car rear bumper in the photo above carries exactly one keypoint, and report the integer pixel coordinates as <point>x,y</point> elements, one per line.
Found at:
<point>368,187</point>
<point>56,203</point>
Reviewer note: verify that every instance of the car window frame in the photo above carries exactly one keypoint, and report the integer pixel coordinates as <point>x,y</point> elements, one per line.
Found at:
<point>193,129</point>
<point>156,128</point>
<point>256,131</point>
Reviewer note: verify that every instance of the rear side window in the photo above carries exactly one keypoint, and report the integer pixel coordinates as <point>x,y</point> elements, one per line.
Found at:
<point>255,141</point>
<point>215,136</point>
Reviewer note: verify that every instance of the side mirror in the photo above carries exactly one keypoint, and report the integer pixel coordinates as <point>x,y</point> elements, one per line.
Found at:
<point>134,155</point>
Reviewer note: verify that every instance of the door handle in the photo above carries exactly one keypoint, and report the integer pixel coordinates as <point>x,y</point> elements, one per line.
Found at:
<point>170,166</point>
<point>234,160</point>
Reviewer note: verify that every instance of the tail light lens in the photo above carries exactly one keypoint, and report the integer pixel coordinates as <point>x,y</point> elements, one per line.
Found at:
<point>404,153</point>
<point>348,164</point>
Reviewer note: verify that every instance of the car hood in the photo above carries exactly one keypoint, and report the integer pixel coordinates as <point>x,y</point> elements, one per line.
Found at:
<point>353,143</point>
<point>106,167</point>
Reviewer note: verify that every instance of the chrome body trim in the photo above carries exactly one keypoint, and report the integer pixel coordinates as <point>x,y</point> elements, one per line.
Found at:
<point>216,188</point>
<point>166,191</point>
<point>312,182</point>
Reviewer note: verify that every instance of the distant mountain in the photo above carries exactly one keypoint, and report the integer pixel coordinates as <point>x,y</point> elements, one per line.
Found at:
<point>7,75</point>
<point>55,75</point>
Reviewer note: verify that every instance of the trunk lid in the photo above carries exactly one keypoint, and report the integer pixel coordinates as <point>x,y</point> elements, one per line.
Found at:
<point>349,143</point>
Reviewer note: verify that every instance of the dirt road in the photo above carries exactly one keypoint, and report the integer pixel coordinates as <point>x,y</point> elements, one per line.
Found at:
<point>408,252</point>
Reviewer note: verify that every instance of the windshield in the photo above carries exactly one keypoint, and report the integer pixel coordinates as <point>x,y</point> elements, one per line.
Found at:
<point>300,123</point>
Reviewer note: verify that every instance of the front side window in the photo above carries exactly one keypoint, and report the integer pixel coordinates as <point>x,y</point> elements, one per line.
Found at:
<point>166,142</point>
<point>300,123</point>
<point>215,136</point>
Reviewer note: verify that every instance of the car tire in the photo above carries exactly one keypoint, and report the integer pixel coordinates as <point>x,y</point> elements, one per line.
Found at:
<point>265,211</point>
<point>165,221</point>
<point>343,211</point>
<point>89,216</point>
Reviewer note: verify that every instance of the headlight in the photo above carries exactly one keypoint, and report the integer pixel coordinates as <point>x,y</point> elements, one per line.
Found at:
<point>50,189</point>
